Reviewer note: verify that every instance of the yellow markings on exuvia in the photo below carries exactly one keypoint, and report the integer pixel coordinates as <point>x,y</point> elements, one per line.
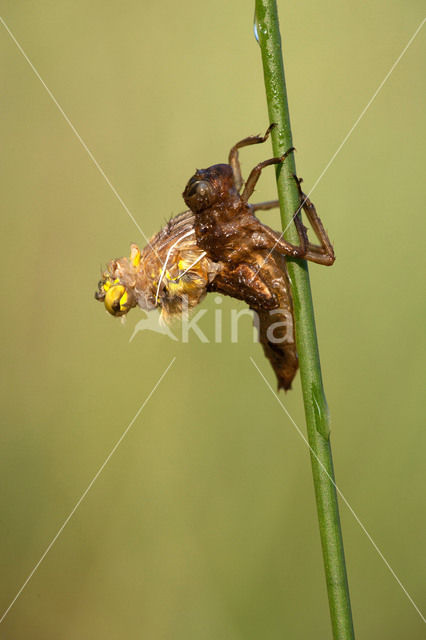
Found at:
<point>173,279</point>
<point>108,284</point>
<point>135,255</point>
<point>116,293</point>
<point>174,286</point>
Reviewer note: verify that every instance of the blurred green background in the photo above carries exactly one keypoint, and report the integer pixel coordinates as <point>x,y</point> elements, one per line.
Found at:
<point>203,523</point>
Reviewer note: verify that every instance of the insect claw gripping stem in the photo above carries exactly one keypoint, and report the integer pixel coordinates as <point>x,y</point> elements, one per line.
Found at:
<point>287,153</point>
<point>233,158</point>
<point>255,174</point>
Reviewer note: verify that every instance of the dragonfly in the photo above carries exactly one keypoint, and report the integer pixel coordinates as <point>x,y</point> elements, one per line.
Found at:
<point>219,245</point>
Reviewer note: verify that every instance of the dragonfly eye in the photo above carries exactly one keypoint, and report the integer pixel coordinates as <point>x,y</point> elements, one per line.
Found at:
<point>117,300</point>
<point>199,194</point>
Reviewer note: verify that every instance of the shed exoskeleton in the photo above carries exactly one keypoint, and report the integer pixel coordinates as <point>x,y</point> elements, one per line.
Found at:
<point>220,245</point>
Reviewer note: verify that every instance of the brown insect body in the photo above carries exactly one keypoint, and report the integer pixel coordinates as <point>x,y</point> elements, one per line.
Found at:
<point>262,282</point>
<point>227,229</point>
<point>220,245</point>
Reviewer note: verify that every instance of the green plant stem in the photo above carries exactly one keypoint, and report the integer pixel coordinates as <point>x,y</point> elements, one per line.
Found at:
<point>316,410</point>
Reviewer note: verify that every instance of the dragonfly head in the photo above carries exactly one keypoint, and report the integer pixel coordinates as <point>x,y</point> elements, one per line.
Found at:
<point>116,287</point>
<point>208,187</point>
<point>116,297</point>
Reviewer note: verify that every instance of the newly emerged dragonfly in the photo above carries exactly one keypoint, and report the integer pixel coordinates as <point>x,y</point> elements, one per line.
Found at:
<point>220,245</point>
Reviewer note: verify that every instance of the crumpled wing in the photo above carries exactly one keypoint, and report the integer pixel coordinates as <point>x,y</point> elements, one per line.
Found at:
<point>174,272</point>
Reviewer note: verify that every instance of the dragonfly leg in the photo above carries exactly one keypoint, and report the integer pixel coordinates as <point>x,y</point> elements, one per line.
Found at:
<point>255,174</point>
<point>322,253</point>
<point>264,206</point>
<point>234,160</point>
